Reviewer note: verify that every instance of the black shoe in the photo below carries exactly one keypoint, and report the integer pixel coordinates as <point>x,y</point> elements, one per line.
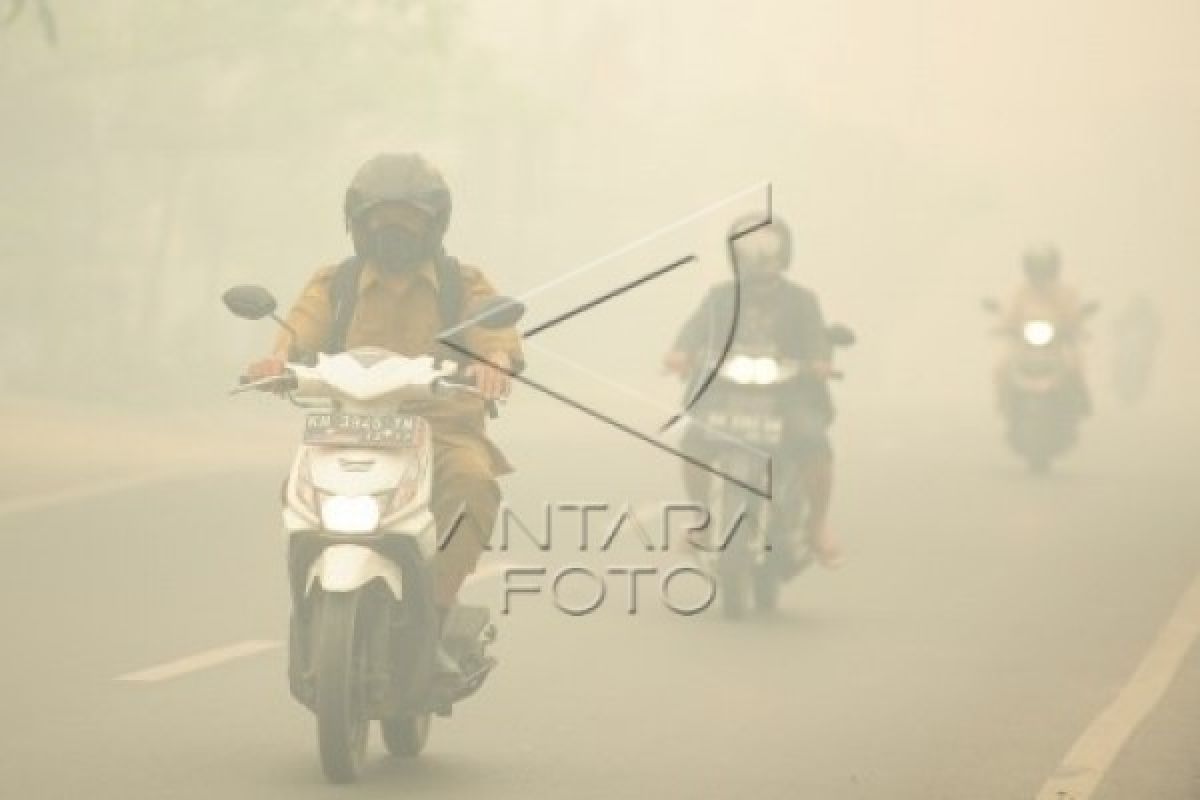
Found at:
<point>461,663</point>
<point>445,668</point>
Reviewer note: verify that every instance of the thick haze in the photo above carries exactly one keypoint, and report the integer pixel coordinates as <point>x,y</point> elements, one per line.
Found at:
<point>155,152</point>
<point>162,151</point>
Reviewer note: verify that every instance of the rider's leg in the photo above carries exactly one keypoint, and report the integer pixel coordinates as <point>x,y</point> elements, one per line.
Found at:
<point>807,441</point>
<point>465,503</point>
<point>697,481</point>
<point>816,479</point>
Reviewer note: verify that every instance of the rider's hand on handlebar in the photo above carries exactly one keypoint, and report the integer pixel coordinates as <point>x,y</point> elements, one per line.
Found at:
<point>675,363</point>
<point>822,370</point>
<point>270,367</point>
<point>492,383</point>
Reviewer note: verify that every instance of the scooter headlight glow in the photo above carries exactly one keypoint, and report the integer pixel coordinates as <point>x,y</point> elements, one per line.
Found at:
<point>746,370</point>
<point>1038,332</point>
<point>340,514</point>
<point>766,371</point>
<point>739,369</point>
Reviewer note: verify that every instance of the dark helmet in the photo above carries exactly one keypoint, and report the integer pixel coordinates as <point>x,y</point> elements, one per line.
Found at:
<point>750,226</point>
<point>1042,262</point>
<point>399,178</point>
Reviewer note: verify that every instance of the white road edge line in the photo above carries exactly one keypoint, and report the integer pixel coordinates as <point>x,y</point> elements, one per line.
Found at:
<point>199,661</point>
<point>221,655</point>
<point>36,502</point>
<point>1085,764</point>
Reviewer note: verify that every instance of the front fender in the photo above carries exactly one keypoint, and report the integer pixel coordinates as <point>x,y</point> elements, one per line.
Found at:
<point>347,567</point>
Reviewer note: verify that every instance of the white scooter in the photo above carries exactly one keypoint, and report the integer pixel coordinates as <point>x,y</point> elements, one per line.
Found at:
<point>364,642</point>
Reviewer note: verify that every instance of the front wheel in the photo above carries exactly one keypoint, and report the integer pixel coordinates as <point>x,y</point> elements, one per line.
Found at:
<point>405,735</point>
<point>341,686</point>
<point>1041,429</point>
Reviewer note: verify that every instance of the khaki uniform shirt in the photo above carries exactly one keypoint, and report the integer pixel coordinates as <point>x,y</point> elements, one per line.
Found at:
<point>400,313</point>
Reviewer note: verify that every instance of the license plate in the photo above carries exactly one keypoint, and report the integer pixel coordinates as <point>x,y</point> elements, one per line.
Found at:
<point>363,430</point>
<point>752,428</point>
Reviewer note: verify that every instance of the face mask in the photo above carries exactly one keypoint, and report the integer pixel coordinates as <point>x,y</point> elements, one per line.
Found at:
<point>1042,277</point>
<point>759,271</point>
<point>396,249</point>
<point>759,258</point>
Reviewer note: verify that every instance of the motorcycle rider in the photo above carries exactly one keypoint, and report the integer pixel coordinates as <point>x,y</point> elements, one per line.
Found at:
<point>1044,296</point>
<point>790,315</point>
<point>397,209</point>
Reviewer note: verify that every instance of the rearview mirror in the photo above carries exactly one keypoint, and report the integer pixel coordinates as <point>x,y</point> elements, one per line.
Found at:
<point>499,312</point>
<point>841,336</point>
<point>249,302</point>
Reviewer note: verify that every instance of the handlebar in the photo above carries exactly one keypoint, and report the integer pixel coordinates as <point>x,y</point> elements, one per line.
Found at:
<point>287,382</point>
<point>454,382</point>
<point>274,383</point>
<point>459,384</point>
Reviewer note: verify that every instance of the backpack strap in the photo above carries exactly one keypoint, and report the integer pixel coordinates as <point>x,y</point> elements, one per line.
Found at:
<point>450,306</point>
<point>450,300</point>
<point>343,296</point>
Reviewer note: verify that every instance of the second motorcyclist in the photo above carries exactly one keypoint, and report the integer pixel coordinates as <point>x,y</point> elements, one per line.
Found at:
<point>789,315</point>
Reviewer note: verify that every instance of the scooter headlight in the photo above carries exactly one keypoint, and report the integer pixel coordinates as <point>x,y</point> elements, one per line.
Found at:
<point>1038,332</point>
<point>766,371</point>
<point>746,370</point>
<point>340,514</point>
<point>739,369</point>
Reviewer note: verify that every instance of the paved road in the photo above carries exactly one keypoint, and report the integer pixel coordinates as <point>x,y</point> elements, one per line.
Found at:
<point>984,621</point>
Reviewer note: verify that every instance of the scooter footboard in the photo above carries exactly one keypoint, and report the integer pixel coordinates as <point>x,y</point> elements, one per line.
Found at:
<point>348,567</point>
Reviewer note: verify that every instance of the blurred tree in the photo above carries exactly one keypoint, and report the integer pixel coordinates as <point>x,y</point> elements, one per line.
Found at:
<point>15,9</point>
<point>157,143</point>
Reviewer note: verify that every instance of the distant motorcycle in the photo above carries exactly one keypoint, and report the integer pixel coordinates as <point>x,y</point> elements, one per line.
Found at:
<point>361,539</point>
<point>743,414</point>
<point>1041,389</point>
